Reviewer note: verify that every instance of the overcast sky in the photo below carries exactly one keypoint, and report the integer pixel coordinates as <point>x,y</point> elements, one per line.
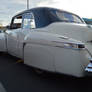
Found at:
<point>9,8</point>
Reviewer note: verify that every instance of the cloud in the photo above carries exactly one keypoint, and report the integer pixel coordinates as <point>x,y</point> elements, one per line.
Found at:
<point>9,8</point>
<point>80,7</point>
<point>33,3</point>
<point>23,2</point>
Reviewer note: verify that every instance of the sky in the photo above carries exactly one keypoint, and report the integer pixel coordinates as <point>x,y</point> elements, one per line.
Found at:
<point>9,8</point>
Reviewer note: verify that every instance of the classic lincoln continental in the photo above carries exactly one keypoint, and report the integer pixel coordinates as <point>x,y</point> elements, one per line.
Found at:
<point>50,39</point>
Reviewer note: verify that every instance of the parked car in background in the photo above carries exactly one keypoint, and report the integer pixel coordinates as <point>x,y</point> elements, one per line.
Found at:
<point>88,21</point>
<point>50,39</point>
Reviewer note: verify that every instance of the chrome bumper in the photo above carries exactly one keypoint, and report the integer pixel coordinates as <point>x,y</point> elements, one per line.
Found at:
<point>89,67</point>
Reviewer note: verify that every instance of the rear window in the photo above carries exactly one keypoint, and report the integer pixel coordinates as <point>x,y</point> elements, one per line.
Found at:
<point>66,17</point>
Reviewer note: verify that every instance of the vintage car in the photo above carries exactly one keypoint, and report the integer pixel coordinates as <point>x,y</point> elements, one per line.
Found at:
<point>50,39</point>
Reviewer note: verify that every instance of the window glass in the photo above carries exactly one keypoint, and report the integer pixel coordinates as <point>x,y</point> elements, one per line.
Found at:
<point>65,16</point>
<point>16,23</point>
<point>18,20</point>
<point>76,19</point>
<point>28,21</point>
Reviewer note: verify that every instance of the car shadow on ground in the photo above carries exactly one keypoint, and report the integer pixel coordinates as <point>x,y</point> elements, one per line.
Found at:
<point>17,77</point>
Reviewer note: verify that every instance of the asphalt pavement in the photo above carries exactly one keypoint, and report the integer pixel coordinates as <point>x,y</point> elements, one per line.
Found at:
<point>17,77</point>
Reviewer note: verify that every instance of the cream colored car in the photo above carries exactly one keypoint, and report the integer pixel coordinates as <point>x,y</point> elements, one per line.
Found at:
<point>50,39</point>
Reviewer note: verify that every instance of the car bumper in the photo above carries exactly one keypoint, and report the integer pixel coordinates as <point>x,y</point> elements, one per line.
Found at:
<point>88,69</point>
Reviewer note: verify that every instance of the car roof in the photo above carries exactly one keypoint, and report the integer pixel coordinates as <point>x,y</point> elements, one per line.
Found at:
<point>40,8</point>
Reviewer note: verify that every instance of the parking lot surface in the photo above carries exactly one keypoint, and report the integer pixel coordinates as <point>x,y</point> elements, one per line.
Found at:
<point>17,77</point>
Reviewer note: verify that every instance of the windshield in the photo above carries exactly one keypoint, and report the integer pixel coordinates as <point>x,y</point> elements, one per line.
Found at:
<point>63,16</point>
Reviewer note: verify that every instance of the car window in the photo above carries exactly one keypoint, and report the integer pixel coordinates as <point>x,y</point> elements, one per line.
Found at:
<point>28,21</point>
<point>65,16</point>
<point>16,22</point>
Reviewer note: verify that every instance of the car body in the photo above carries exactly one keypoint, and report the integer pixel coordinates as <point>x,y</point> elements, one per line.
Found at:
<point>50,39</point>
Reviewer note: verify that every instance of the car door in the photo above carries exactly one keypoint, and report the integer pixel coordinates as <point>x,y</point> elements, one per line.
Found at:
<point>28,25</point>
<point>16,37</point>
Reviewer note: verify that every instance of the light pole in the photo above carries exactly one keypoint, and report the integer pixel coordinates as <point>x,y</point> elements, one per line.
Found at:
<point>27,4</point>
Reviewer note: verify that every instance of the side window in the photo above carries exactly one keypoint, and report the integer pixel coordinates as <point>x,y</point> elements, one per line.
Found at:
<point>16,23</point>
<point>28,21</point>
